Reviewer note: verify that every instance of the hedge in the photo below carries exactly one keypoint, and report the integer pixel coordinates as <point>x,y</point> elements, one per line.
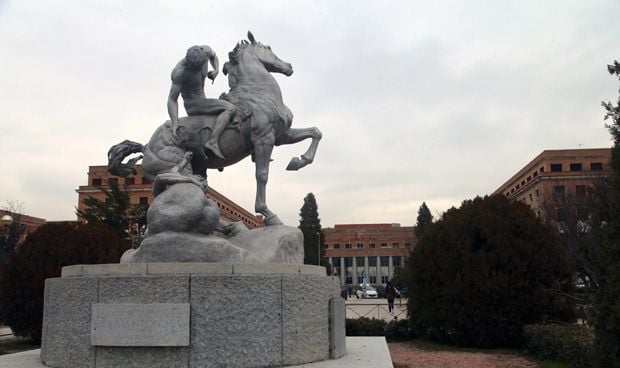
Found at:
<point>570,343</point>
<point>395,330</point>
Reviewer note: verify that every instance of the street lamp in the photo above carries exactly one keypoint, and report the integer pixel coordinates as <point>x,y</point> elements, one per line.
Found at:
<point>6,220</point>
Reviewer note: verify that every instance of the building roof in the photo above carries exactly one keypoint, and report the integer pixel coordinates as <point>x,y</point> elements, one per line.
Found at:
<point>559,155</point>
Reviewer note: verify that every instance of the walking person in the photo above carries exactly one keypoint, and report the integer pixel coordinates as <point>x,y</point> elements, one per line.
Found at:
<point>390,295</point>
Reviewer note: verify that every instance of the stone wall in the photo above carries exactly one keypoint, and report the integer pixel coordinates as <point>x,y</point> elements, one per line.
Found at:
<point>235,315</point>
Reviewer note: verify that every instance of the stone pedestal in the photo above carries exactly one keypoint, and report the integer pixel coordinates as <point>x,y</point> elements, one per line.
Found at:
<point>191,315</point>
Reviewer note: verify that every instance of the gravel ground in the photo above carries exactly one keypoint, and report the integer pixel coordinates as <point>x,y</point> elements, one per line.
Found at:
<point>407,355</point>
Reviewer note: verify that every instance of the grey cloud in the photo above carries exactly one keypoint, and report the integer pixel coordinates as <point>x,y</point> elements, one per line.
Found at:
<point>418,101</point>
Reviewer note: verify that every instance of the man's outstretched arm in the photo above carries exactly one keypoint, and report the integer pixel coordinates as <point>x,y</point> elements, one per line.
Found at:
<point>173,100</point>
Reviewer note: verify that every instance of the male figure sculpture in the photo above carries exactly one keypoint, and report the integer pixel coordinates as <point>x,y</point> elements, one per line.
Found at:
<point>188,80</point>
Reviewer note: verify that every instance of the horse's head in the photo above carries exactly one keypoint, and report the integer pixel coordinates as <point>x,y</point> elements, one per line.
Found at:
<point>265,55</point>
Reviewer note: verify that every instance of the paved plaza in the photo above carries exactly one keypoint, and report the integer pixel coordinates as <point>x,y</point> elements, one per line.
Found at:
<point>362,352</point>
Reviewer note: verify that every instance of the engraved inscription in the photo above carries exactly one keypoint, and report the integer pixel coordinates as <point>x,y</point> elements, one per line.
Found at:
<point>157,324</point>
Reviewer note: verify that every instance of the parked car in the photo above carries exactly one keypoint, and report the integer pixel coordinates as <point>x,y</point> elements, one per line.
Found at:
<point>367,292</point>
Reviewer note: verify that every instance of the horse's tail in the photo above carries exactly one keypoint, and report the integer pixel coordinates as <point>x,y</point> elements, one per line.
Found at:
<point>117,154</point>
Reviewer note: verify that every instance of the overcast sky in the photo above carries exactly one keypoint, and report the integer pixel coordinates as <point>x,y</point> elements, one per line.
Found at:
<point>435,101</point>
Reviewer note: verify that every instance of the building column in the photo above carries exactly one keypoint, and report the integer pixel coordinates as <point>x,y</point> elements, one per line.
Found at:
<point>366,269</point>
<point>390,268</point>
<point>342,271</point>
<point>354,279</point>
<point>331,264</point>
<point>378,277</point>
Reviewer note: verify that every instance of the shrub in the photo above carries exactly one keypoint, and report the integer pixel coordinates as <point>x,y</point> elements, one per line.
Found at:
<point>483,271</point>
<point>364,326</point>
<point>42,256</point>
<point>399,330</point>
<point>571,343</point>
<point>395,330</point>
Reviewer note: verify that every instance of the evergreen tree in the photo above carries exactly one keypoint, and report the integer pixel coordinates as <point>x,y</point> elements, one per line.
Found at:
<point>425,218</point>
<point>117,212</point>
<point>483,271</point>
<point>310,226</point>
<point>613,113</point>
<point>605,255</point>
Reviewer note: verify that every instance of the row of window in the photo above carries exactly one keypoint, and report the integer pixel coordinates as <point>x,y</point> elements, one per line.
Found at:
<point>562,214</point>
<point>384,261</point>
<point>395,245</point>
<point>523,182</point>
<point>97,182</point>
<point>575,167</point>
<point>236,215</point>
<point>564,218</point>
<point>372,274</point>
<point>559,191</point>
<point>594,166</point>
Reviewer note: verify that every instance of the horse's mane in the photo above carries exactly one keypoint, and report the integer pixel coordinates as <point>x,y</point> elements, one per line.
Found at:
<point>245,98</point>
<point>234,54</point>
<point>241,45</point>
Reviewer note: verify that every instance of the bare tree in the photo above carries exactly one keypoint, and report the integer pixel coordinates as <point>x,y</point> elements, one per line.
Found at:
<point>568,212</point>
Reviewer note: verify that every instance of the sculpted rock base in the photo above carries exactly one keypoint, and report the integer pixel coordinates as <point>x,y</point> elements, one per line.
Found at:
<point>181,221</point>
<point>271,244</point>
<point>212,315</point>
<point>185,247</point>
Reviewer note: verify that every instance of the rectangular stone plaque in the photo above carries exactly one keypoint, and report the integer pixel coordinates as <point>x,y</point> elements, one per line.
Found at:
<point>156,324</point>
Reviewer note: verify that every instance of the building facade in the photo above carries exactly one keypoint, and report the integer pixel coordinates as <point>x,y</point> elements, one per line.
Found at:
<point>29,223</point>
<point>555,183</point>
<point>140,192</point>
<point>367,252</point>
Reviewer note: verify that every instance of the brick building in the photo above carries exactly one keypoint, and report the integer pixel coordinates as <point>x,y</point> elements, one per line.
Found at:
<point>374,250</point>
<point>30,224</point>
<point>555,183</point>
<point>139,189</point>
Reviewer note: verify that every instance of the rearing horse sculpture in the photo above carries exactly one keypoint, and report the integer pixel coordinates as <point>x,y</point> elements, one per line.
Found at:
<point>265,122</point>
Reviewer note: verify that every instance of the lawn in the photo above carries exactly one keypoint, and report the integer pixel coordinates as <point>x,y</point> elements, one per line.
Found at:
<point>422,353</point>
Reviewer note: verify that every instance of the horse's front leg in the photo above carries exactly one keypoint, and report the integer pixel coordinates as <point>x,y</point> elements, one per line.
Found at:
<point>297,135</point>
<point>262,157</point>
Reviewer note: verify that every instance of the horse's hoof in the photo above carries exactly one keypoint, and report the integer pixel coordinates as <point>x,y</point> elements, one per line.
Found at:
<point>295,164</point>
